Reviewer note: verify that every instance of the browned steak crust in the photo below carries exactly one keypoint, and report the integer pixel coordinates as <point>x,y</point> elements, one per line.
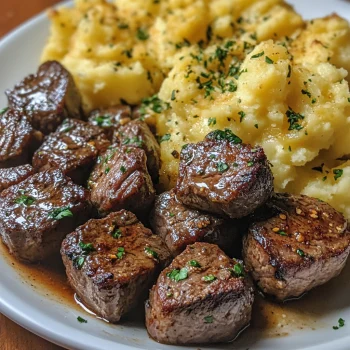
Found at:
<point>202,297</point>
<point>223,176</point>
<point>137,134</point>
<point>73,148</point>
<point>122,263</point>
<point>180,226</point>
<point>13,176</point>
<point>18,140</point>
<point>297,244</point>
<point>120,180</point>
<point>49,97</point>
<point>36,214</point>
<point>110,118</point>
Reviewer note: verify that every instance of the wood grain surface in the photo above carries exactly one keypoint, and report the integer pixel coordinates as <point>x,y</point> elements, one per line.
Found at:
<point>12,336</point>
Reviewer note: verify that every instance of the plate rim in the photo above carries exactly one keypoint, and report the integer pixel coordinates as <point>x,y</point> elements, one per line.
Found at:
<point>26,320</point>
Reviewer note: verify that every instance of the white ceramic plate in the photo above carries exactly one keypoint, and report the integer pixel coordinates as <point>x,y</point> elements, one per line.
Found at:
<point>40,312</point>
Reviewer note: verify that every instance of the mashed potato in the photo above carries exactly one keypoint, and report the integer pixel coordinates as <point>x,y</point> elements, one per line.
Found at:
<point>199,65</point>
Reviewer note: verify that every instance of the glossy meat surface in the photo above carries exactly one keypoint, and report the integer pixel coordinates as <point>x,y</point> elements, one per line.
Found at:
<point>137,134</point>
<point>73,148</point>
<point>223,176</point>
<point>180,226</point>
<point>18,140</point>
<point>120,180</point>
<point>13,176</point>
<point>114,272</point>
<point>48,97</point>
<point>202,297</point>
<point>36,214</point>
<point>296,244</point>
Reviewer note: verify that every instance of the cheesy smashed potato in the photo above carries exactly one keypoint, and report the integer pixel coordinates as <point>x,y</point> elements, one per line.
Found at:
<point>254,67</point>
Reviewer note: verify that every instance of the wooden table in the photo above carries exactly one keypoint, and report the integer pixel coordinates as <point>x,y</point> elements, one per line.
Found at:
<point>12,336</point>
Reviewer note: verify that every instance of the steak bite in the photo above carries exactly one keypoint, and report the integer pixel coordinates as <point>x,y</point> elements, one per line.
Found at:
<point>18,140</point>
<point>120,180</point>
<point>49,97</point>
<point>180,226</point>
<point>112,262</point>
<point>36,214</point>
<point>202,297</point>
<point>223,176</point>
<point>138,134</point>
<point>300,244</point>
<point>111,118</point>
<point>13,176</point>
<point>73,148</point>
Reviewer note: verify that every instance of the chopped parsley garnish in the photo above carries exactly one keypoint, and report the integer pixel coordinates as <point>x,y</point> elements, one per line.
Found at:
<point>222,167</point>
<point>2,111</point>
<point>137,140</point>
<point>250,163</point>
<point>208,319</point>
<point>23,199</point>
<point>178,275</point>
<point>107,170</point>
<point>103,120</point>
<point>282,233</point>
<point>337,173</point>
<point>127,53</point>
<point>171,215</point>
<point>256,126</point>
<point>241,116</point>
<point>227,134</point>
<point>123,26</point>
<point>86,247</point>
<point>123,169</point>
<point>142,34</point>
<point>307,93</point>
<point>237,270</point>
<point>262,53</point>
<point>81,320</point>
<point>155,104</point>
<point>120,253</point>
<point>294,120</point>
<point>117,233</point>
<point>60,213</point>
<point>194,263</point>
<point>211,121</point>
<point>173,97</point>
<point>79,262</point>
<point>152,253</point>
<point>269,60</point>
<point>164,138</point>
<point>301,253</point>
<point>209,278</point>
<point>341,323</point>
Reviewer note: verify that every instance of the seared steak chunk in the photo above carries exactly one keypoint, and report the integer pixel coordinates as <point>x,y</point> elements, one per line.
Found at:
<point>112,262</point>
<point>180,226</point>
<point>13,176</point>
<point>302,243</point>
<point>137,134</point>
<point>18,140</point>
<point>120,180</point>
<point>48,97</point>
<point>36,214</point>
<point>110,118</point>
<point>202,297</point>
<point>223,176</point>
<point>73,148</point>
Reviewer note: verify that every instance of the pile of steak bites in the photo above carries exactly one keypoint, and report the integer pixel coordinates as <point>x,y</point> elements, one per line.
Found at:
<point>84,186</point>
